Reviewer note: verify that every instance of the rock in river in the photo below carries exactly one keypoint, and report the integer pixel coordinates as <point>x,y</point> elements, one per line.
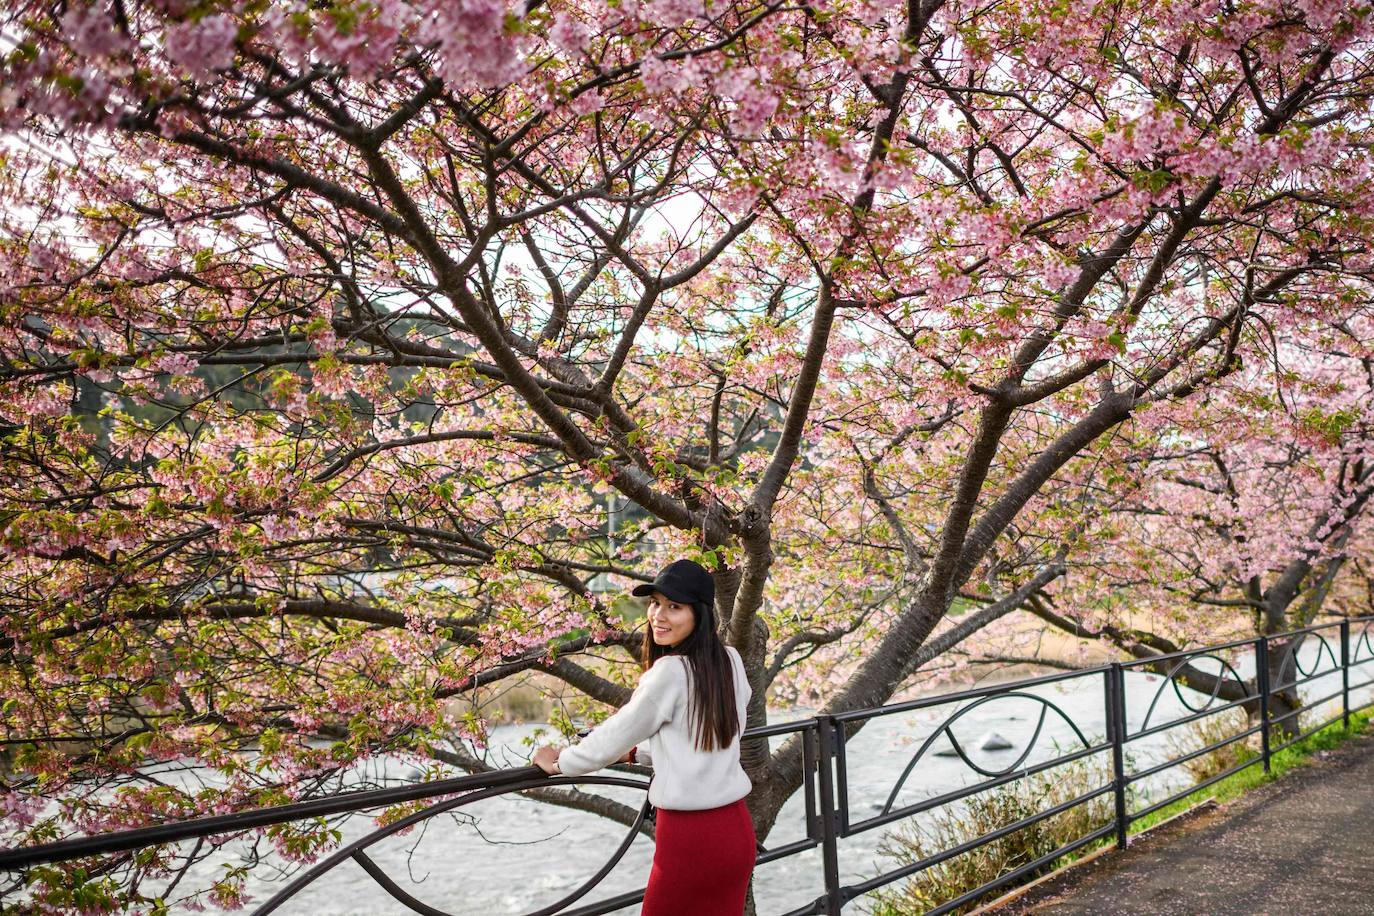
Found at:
<point>994,742</point>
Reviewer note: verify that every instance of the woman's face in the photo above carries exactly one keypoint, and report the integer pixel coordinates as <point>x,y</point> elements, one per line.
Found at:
<point>669,622</point>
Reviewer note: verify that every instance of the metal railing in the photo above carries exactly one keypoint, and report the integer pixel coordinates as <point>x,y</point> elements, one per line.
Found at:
<point>1279,671</point>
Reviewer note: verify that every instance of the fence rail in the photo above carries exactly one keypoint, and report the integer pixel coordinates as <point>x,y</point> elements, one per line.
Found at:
<point>1279,670</point>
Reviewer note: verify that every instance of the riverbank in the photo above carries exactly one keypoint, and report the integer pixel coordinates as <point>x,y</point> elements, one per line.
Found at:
<point>535,696</point>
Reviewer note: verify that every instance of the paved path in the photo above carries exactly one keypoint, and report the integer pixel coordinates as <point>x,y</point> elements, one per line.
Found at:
<point>1303,844</point>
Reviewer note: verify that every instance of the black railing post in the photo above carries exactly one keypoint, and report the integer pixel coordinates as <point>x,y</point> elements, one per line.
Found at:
<point>1262,681</point>
<point>1116,733</point>
<point>811,755</point>
<point>830,859</point>
<point>1345,675</point>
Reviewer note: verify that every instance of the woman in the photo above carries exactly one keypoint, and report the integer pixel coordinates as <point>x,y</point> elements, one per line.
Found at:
<point>684,719</point>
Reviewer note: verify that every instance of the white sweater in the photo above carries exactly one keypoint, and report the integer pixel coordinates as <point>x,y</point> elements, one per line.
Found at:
<point>656,721</point>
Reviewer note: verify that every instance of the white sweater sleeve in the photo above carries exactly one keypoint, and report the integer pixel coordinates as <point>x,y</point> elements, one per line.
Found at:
<point>650,707</point>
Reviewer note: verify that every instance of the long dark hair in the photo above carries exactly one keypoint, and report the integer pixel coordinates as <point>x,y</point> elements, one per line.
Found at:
<point>711,688</point>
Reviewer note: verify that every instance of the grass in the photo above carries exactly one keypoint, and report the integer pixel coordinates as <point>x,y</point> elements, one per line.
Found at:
<point>987,811</point>
<point>982,813</point>
<point>1211,730</point>
<point>1253,777</point>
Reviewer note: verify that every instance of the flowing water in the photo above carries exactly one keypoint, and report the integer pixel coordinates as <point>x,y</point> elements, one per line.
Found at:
<point>513,855</point>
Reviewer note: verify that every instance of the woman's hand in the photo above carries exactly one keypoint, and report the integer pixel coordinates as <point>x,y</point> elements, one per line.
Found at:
<point>546,758</point>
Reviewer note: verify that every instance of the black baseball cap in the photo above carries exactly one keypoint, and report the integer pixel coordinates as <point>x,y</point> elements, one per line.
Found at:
<point>684,581</point>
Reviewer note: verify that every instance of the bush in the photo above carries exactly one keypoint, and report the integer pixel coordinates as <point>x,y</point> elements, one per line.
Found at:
<point>982,814</point>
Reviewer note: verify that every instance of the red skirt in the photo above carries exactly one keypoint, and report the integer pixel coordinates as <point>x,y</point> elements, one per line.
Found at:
<point>702,862</point>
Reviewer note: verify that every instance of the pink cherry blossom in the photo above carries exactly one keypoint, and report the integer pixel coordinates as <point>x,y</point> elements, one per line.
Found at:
<point>203,46</point>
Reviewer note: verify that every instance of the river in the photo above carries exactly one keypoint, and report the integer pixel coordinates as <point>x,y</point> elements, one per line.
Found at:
<point>512,855</point>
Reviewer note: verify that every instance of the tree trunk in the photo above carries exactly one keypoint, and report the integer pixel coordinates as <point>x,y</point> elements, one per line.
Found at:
<point>1284,701</point>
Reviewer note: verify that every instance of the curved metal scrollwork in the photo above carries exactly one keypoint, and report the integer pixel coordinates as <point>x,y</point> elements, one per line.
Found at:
<point>946,729</point>
<point>1362,642</point>
<point>355,849</point>
<point>1292,661</point>
<point>1171,679</point>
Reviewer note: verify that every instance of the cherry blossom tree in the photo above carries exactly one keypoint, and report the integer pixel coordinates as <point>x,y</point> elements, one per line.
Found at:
<point>329,332</point>
<point>1249,520</point>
